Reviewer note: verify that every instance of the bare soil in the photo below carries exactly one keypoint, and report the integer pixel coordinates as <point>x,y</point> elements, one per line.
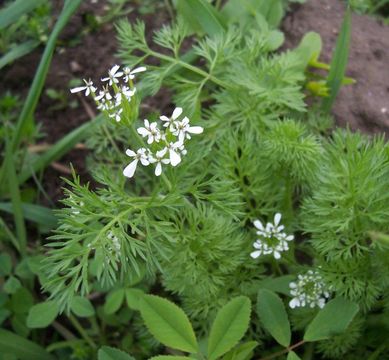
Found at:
<point>364,105</point>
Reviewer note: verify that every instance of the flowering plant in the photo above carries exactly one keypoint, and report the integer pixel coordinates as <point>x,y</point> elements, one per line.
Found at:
<point>239,149</point>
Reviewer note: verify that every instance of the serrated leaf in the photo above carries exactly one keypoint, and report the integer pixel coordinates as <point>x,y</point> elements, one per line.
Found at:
<point>241,352</point>
<point>82,307</point>
<point>168,323</point>
<point>133,297</point>
<point>332,320</point>
<point>110,353</point>
<point>42,315</point>
<point>114,301</point>
<point>293,356</point>
<point>273,316</point>
<point>201,16</point>
<point>23,349</point>
<point>230,325</point>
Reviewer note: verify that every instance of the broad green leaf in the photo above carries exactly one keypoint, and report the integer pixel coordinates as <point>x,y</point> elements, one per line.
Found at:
<point>36,213</point>
<point>42,315</point>
<point>309,48</point>
<point>332,320</point>
<point>279,284</point>
<point>11,285</point>
<point>273,316</point>
<point>20,347</point>
<point>114,301</point>
<point>21,301</point>
<point>201,16</point>
<point>18,51</point>
<point>339,61</point>
<point>82,307</point>
<point>293,356</point>
<point>109,353</point>
<point>230,325</point>
<point>16,9</point>
<point>241,352</point>
<point>4,314</point>
<point>133,297</point>
<point>168,323</point>
<point>5,264</point>
<point>272,11</point>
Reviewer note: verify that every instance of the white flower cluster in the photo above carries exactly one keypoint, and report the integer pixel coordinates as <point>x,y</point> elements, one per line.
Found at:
<point>309,290</point>
<point>168,143</point>
<point>272,238</point>
<point>121,82</point>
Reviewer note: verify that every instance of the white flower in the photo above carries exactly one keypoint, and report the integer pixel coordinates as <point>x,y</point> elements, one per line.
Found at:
<point>151,131</point>
<point>172,120</point>
<point>113,74</point>
<point>141,156</point>
<point>104,94</point>
<point>129,74</point>
<point>272,239</point>
<point>309,290</point>
<point>127,92</point>
<point>159,160</point>
<point>174,156</point>
<point>183,129</point>
<point>116,114</point>
<point>88,88</point>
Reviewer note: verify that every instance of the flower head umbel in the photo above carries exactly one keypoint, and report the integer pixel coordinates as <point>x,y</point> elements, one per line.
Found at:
<point>119,90</point>
<point>167,147</point>
<point>272,239</point>
<point>113,75</point>
<point>309,290</point>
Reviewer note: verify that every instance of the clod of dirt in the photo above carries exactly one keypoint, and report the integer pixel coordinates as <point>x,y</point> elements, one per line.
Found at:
<point>364,105</point>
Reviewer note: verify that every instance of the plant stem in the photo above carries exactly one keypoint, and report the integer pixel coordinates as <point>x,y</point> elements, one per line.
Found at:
<point>281,352</point>
<point>82,332</point>
<point>191,68</point>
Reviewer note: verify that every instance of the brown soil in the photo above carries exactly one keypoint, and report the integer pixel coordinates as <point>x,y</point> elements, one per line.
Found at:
<point>364,105</point>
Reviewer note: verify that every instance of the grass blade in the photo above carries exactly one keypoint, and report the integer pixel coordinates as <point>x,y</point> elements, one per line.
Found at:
<point>339,62</point>
<point>41,215</point>
<point>40,75</point>
<point>58,150</point>
<point>16,9</point>
<point>17,52</point>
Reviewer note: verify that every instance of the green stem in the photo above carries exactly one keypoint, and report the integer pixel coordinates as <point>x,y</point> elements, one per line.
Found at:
<point>82,332</point>
<point>191,68</point>
<point>281,352</point>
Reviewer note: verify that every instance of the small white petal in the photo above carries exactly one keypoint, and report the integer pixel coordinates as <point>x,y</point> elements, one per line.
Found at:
<point>277,219</point>
<point>142,131</point>
<point>258,225</point>
<point>255,254</point>
<point>130,153</point>
<point>78,89</point>
<point>176,113</point>
<point>138,70</point>
<point>158,169</point>
<point>130,169</point>
<point>294,303</point>
<point>195,129</point>
<point>175,159</point>
<point>276,255</point>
